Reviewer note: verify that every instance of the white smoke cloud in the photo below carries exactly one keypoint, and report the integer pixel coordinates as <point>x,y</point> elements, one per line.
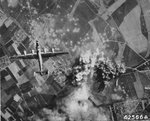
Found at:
<point>43,30</point>
<point>79,108</point>
<point>116,97</point>
<point>49,115</point>
<point>12,3</point>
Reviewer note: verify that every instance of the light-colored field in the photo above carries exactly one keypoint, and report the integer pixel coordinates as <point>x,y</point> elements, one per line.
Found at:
<point>145,4</point>
<point>138,86</point>
<point>131,30</point>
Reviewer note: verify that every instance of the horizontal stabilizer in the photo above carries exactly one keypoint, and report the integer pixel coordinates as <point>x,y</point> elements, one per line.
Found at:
<point>42,72</point>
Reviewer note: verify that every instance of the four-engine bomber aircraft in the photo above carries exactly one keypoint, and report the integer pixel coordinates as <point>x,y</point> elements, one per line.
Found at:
<point>39,55</point>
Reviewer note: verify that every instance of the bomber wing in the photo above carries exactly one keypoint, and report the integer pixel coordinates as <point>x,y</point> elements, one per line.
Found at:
<point>52,54</point>
<point>27,56</point>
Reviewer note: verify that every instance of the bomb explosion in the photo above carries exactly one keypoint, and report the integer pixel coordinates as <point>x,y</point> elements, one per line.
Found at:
<point>92,68</point>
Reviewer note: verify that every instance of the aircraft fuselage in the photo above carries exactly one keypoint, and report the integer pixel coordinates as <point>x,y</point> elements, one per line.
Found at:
<point>39,57</point>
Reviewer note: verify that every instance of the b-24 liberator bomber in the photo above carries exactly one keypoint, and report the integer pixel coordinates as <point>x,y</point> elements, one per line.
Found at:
<point>38,54</point>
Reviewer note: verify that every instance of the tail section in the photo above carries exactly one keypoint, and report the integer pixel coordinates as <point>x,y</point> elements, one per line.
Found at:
<point>42,73</point>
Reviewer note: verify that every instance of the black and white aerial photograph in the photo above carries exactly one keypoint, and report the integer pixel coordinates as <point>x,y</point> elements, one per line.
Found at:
<point>75,60</point>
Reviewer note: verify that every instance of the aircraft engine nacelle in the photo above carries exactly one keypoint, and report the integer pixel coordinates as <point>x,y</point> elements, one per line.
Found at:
<point>25,53</point>
<point>53,50</point>
<point>45,50</point>
<point>33,51</point>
